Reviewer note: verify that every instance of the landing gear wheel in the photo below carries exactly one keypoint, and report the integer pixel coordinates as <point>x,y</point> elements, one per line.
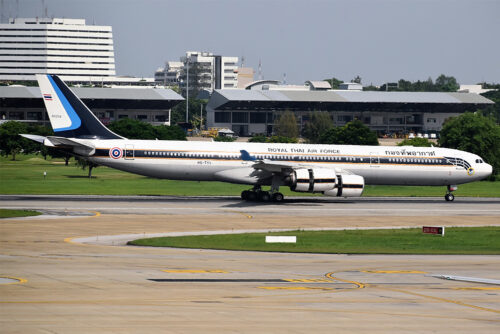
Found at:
<point>449,197</point>
<point>278,197</point>
<point>244,195</point>
<point>264,196</point>
<point>252,196</point>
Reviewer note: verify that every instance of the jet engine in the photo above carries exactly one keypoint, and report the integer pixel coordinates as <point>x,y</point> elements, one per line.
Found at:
<point>326,181</point>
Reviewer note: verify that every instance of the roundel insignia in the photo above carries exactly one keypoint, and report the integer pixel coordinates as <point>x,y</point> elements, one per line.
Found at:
<point>470,171</point>
<point>115,153</point>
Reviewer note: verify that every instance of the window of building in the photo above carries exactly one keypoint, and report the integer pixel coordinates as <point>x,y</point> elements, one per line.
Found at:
<point>270,118</point>
<point>240,117</point>
<point>431,120</point>
<point>142,117</point>
<point>16,115</point>
<point>257,117</point>
<point>344,118</point>
<point>34,115</point>
<point>222,117</point>
<point>122,116</point>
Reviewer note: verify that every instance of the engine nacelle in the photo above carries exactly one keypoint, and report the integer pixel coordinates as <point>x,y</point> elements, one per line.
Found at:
<point>326,181</point>
<point>347,186</point>
<point>313,180</point>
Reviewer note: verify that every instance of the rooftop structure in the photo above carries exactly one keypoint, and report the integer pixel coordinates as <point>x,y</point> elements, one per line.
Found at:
<point>249,112</point>
<point>108,104</point>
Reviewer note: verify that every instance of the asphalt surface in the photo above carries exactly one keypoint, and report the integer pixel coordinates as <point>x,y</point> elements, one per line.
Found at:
<point>67,271</point>
<point>366,206</point>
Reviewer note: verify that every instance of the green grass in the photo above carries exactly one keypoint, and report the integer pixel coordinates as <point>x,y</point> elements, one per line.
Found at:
<point>480,240</point>
<point>26,177</point>
<point>7,213</point>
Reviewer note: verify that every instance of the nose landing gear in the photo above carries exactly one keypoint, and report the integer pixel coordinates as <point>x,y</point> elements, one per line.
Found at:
<point>449,197</point>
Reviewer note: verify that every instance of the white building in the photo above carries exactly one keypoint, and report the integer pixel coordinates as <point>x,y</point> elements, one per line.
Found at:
<point>67,47</point>
<point>206,72</point>
<point>77,52</point>
<point>476,89</point>
<point>212,71</point>
<point>170,74</point>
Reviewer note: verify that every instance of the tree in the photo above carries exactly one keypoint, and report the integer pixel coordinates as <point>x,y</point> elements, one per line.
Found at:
<point>173,132</point>
<point>443,84</point>
<point>179,111</point>
<point>258,139</point>
<point>446,84</point>
<point>319,123</point>
<point>357,79</point>
<point>11,143</point>
<point>418,142</point>
<point>353,133</point>
<point>473,133</point>
<point>224,139</point>
<point>494,110</point>
<point>84,163</point>
<point>334,82</point>
<point>132,129</point>
<point>287,125</point>
<point>282,139</point>
<point>38,147</point>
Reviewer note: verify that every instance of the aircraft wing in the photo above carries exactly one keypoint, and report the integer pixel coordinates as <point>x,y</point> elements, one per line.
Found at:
<point>275,166</point>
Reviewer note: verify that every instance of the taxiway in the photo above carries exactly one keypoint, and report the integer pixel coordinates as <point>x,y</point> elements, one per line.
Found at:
<point>69,284</point>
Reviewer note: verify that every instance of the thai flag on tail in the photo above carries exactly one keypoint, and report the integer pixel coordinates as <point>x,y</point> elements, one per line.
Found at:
<point>47,97</point>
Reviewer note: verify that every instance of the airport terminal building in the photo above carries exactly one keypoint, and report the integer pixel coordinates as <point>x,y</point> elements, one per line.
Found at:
<point>248,112</point>
<point>150,105</point>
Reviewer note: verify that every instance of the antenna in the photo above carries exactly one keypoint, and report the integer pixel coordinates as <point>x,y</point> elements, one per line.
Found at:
<point>260,69</point>
<point>284,78</point>
<point>242,61</point>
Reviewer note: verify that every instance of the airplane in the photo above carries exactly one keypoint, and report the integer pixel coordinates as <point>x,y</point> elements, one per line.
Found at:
<point>333,170</point>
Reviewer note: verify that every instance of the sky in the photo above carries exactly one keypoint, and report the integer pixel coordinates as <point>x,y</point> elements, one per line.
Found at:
<point>379,40</point>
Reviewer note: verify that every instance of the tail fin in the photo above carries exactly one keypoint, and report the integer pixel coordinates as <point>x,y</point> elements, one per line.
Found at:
<point>68,115</point>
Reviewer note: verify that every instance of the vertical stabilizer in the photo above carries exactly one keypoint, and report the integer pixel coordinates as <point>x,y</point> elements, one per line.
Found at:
<point>68,115</point>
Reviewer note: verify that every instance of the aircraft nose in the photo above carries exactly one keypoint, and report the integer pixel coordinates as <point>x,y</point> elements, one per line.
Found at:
<point>489,169</point>
<point>486,170</point>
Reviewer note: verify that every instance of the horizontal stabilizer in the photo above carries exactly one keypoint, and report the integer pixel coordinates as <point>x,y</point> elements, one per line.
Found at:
<point>62,141</point>
<point>37,138</point>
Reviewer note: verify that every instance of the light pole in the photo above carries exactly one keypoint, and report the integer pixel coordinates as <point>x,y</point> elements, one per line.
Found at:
<point>201,115</point>
<point>187,89</point>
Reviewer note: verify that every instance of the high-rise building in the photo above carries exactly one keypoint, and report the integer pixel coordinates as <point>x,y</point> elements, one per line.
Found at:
<point>170,74</point>
<point>206,72</point>
<point>66,47</point>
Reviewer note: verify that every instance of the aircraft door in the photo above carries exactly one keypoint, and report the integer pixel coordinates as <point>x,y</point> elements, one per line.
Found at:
<point>129,152</point>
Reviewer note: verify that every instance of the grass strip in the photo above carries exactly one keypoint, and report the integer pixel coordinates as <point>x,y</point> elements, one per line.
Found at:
<point>457,240</point>
<point>8,213</point>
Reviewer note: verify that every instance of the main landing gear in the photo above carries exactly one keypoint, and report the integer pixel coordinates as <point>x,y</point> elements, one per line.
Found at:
<point>449,197</point>
<point>259,195</point>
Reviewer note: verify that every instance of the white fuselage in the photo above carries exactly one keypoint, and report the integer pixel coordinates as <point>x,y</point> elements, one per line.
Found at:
<point>209,161</point>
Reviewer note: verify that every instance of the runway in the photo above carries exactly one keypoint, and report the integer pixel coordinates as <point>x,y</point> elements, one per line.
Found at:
<point>303,206</point>
<point>72,286</point>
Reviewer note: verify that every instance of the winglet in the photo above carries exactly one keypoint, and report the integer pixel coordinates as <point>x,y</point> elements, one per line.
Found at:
<point>245,156</point>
